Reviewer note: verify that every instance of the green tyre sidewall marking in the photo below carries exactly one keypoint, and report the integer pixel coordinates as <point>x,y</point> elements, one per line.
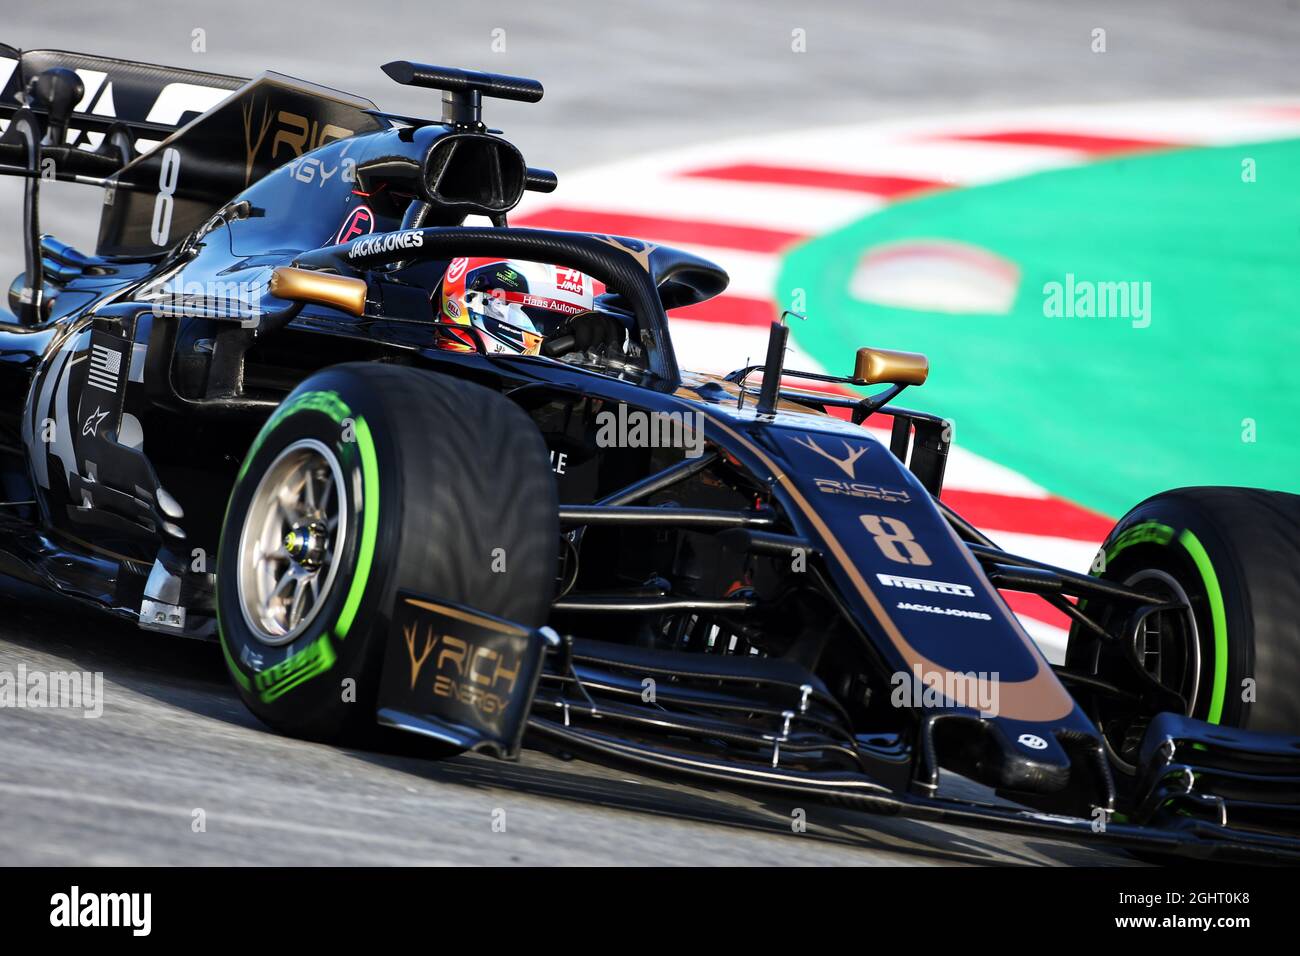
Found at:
<point>1158,534</point>
<point>284,669</point>
<point>1201,559</point>
<point>369,527</point>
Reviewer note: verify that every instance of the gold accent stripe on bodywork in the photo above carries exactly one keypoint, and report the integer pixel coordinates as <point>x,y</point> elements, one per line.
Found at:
<point>1040,698</point>
<point>477,620</point>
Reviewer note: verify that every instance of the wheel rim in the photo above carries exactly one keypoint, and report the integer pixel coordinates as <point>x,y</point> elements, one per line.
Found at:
<point>293,534</point>
<point>1170,656</point>
<point>1190,678</point>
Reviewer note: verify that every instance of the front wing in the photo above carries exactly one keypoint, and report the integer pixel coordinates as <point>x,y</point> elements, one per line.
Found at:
<point>477,682</point>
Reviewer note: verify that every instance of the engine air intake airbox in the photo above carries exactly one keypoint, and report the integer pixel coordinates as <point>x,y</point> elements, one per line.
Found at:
<point>474,173</point>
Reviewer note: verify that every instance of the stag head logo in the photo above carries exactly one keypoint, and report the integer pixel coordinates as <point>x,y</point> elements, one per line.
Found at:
<point>417,661</point>
<point>253,138</point>
<point>848,464</point>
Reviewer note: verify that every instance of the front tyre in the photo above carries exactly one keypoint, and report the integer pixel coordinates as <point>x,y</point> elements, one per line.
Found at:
<point>1233,554</point>
<point>366,480</point>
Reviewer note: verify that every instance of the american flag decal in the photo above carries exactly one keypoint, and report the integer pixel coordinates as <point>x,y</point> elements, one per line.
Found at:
<point>105,366</point>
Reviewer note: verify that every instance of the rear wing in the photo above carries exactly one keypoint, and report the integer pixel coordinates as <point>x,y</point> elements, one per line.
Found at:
<point>143,101</point>
<point>163,195</point>
<point>75,117</point>
<point>170,145</point>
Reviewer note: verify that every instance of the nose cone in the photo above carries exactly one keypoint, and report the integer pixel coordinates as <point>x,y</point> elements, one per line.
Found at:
<point>1022,757</point>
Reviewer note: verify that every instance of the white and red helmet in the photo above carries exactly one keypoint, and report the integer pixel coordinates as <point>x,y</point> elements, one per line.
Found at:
<point>515,305</point>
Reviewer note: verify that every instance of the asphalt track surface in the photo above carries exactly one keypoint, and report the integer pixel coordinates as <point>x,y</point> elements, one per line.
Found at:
<point>173,738</point>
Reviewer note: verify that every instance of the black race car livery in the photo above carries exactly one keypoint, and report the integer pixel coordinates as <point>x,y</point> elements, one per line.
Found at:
<point>247,417</point>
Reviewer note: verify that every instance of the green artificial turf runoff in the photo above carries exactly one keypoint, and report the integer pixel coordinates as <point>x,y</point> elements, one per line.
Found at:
<point>1096,409</point>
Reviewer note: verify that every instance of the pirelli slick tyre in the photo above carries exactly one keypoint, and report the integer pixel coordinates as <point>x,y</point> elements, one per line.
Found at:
<point>369,479</point>
<point>1234,555</point>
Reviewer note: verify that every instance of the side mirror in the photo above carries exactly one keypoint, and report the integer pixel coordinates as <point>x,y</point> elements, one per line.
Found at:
<point>881,366</point>
<point>319,288</point>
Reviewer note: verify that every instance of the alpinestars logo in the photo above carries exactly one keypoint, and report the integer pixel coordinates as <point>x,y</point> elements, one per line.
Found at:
<point>92,422</point>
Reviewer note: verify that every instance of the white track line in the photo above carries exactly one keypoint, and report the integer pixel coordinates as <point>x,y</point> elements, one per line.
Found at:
<point>753,274</point>
<point>790,208</point>
<point>716,348</point>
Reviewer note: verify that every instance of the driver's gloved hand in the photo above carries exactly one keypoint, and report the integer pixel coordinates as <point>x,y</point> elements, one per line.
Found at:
<point>596,332</point>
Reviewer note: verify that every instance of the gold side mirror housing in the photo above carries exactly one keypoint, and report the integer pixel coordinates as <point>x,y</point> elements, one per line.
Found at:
<point>320,288</point>
<point>880,366</point>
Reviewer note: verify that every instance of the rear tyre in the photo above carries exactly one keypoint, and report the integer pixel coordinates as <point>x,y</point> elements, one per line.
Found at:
<point>1234,555</point>
<point>366,480</point>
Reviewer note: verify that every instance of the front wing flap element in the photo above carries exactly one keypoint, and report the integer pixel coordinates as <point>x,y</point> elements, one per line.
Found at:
<point>1195,775</point>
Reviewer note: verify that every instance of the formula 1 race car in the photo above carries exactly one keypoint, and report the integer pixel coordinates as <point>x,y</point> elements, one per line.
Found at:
<point>448,478</point>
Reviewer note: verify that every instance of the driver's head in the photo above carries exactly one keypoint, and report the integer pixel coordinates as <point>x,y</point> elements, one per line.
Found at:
<point>515,305</point>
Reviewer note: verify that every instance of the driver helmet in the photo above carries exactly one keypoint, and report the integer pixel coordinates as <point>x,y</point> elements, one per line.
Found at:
<point>513,304</point>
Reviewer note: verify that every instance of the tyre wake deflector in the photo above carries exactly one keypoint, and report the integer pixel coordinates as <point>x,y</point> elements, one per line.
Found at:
<point>460,676</point>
